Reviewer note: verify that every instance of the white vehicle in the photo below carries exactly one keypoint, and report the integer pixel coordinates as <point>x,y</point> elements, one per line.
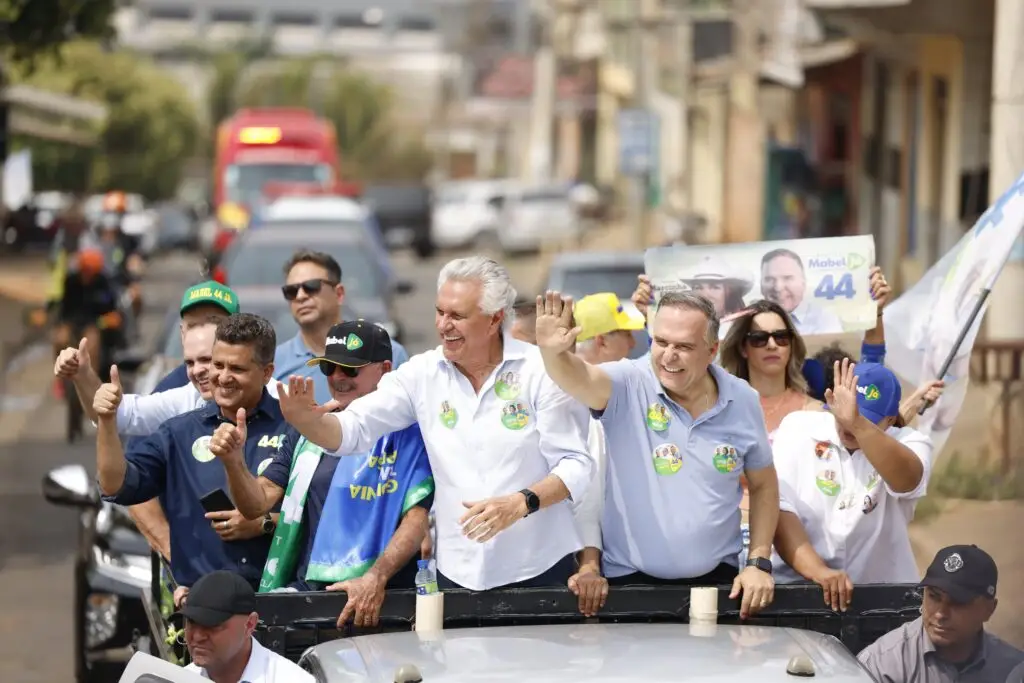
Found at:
<point>466,213</point>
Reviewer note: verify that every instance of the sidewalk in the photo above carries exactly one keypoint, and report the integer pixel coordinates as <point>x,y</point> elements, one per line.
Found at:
<point>24,278</point>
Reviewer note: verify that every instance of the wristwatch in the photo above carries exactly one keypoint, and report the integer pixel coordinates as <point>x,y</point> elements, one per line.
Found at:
<point>268,524</point>
<point>532,501</point>
<point>761,563</point>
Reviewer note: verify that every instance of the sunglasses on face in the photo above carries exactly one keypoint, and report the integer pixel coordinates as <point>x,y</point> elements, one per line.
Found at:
<point>309,287</point>
<point>759,338</point>
<point>328,368</point>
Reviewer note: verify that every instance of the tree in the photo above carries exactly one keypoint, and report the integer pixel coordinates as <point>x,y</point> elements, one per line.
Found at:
<point>29,28</point>
<point>149,135</point>
<point>371,146</point>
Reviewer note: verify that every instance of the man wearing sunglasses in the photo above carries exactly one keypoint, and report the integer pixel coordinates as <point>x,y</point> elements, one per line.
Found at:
<point>315,294</point>
<point>375,504</point>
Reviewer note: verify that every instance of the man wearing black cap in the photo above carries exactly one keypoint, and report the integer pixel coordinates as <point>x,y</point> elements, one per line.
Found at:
<point>376,504</point>
<point>948,642</point>
<point>220,616</point>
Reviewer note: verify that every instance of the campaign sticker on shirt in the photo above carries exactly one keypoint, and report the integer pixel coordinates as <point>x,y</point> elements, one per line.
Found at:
<point>263,465</point>
<point>201,449</point>
<point>827,484</point>
<point>658,418</point>
<point>870,503</point>
<point>507,386</point>
<point>515,415</point>
<point>824,450</point>
<point>726,459</point>
<point>448,414</point>
<point>667,459</point>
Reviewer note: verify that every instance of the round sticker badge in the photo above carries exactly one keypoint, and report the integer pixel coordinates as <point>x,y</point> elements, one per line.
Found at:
<point>201,449</point>
<point>725,459</point>
<point>667,459</point>
<point>827,484</point>
<point>449,416</point>
<point>507,386</point>
<point>658,418</point>
<point>515,415</point>
<point>263,465</point>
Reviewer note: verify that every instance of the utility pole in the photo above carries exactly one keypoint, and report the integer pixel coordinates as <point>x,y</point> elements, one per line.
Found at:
<point>645,71</point>
<point>682,24</point>
<point>745,153</point>
<point>543,98</point>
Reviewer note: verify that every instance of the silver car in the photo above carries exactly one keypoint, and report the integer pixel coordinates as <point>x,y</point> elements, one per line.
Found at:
<point>614,653</point>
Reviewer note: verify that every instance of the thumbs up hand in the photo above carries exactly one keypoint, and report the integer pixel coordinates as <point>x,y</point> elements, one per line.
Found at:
<point>71,361</point>
<point>228,442</point>
<point>108,396</point>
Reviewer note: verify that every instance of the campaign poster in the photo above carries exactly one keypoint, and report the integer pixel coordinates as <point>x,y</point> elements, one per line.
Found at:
<point>822,283</point>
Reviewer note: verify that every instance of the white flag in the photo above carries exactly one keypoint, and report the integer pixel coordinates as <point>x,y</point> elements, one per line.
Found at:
<point>921,327</point>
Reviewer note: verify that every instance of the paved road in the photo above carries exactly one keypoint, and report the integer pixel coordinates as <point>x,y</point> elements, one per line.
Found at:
<point>37,539</point>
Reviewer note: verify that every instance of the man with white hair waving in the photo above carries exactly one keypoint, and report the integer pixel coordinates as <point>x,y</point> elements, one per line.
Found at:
<point>507,447</point>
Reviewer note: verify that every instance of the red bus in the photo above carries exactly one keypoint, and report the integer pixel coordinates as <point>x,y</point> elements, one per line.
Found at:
<point>266,145</point>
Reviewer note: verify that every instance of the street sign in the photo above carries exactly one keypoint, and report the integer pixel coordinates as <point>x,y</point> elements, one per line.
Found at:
<point>638,142</point>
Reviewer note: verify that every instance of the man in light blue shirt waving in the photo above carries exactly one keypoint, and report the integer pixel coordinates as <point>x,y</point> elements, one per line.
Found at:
<point>680,431</point>
<point>315,293</point>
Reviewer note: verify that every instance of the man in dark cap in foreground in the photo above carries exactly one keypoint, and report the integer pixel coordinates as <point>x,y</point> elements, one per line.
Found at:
<point>948,642</point>
<point>220,616</point>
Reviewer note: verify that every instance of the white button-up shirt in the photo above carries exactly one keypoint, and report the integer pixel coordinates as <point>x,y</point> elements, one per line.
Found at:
<point>141,415</point>
<point>855,522</point>
<point>588,511</point>
<point>517,430</point>
<point>266,667</point>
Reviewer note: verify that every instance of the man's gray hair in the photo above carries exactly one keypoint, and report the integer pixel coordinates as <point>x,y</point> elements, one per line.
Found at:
<point>497,292</point>
<point>691,301</point>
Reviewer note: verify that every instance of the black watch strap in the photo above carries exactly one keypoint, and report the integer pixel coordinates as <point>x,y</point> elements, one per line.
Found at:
<point>532,501</point>
<point>760,563</point>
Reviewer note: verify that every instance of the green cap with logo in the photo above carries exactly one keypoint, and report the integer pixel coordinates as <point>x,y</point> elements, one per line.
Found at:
<point>210,292</point>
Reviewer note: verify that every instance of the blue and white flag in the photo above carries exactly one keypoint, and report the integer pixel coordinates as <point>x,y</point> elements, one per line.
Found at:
<point>921,326</point>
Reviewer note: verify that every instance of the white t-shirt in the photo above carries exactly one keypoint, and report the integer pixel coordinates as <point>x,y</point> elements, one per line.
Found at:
<point>266,667</point>
<point>853,519</point>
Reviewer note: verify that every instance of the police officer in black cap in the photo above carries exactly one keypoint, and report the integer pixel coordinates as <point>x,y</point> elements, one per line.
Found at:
<point>220,616</point>
<point>948,642</point>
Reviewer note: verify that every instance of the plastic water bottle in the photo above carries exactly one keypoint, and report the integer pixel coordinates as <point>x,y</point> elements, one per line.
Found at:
<point>426,578</point>
<point>745,531</point>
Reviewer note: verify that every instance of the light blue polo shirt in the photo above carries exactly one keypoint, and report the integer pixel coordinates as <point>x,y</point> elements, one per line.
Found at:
<point>291,357</point>
<point>672,496</point>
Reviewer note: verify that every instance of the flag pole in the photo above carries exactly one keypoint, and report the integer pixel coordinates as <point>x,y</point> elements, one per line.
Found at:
<point>959,341</point>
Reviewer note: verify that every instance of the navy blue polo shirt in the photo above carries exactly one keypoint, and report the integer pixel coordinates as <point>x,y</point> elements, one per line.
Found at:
<point>278,472</point>
<point>178,377</point>
<point>175,464</point>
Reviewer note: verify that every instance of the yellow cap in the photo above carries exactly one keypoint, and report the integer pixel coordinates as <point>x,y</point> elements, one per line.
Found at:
<point>603,313</point>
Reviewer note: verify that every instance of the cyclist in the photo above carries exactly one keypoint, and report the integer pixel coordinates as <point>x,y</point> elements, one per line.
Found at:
<point>89,304</point>
<point>123,265</point>
<point>71,228</point>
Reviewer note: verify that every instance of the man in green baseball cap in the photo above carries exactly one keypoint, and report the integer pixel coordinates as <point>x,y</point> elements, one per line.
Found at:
<point>209,292</point>
<point>199,303</point>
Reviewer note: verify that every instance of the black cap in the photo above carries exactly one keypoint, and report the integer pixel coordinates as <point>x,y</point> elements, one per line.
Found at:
<point>217,597</point>
<point>355,344</point>
<point>963,572</point>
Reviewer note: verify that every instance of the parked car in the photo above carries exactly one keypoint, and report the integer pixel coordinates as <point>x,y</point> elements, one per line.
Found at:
<point>177,227</point>
<point>112,577</point>
<point>466,213</point>
<point>403,212</point>
<point>578,274</point>
<point>257,258</point>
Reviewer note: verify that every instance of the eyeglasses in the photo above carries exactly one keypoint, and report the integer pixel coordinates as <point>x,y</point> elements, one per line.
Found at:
<point>759,338</point>
<point>327,367</point>
<point>310,287</point>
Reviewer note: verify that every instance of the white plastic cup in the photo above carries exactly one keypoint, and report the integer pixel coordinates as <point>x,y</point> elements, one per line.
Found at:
<point>704,605</point>
<point>430,612</point>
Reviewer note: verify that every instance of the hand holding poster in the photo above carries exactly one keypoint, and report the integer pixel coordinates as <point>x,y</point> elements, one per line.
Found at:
<point>822,283</point>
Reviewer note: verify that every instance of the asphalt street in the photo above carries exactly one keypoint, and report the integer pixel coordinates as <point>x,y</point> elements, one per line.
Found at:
<point>37,540</point>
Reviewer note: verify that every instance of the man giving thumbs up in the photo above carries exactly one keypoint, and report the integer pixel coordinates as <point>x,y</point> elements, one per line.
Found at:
<point>178,461</point>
